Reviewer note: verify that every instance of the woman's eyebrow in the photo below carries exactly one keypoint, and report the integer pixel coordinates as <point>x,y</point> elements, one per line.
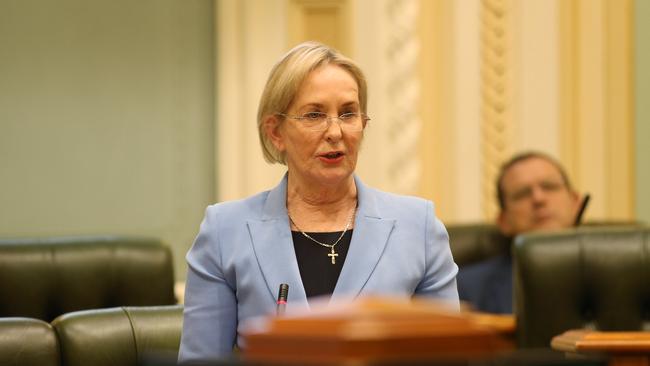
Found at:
<point>350,104</point>
<point>321,106</point>
<point>311,105</point>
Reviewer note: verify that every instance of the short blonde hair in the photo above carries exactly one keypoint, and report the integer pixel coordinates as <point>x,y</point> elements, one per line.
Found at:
<point>287,76</point>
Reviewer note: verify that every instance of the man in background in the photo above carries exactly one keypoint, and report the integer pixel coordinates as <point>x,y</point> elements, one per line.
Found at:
<point>534,194</point>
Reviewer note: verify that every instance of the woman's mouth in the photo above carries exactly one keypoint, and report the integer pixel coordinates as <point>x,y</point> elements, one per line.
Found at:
<point>332,157</point>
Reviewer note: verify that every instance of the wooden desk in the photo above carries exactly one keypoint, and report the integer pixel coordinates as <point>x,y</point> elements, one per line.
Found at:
<point>623,348</point>
<point>375,330</point>
<point>504,324</point>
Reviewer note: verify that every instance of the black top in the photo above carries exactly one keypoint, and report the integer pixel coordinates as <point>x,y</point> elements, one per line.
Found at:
<point>319,275</point>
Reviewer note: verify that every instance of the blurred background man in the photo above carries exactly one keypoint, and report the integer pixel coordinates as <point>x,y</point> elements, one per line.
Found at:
<point>534,194</point>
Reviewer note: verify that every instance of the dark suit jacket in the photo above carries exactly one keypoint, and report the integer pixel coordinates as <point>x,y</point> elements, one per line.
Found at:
<point>487,285</point>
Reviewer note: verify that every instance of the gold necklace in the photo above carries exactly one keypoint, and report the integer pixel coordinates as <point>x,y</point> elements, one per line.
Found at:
<point>333,254</point>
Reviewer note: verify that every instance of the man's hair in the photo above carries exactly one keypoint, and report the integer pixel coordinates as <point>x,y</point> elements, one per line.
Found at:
<point>522,157</point>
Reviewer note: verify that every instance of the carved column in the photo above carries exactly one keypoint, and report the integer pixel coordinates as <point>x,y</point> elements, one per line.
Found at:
<point>496,96</point>
<point>402,53</point>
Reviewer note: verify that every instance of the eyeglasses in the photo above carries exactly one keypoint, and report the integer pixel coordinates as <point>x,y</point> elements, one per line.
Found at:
<point>319,121</point>
<point>547,186</point>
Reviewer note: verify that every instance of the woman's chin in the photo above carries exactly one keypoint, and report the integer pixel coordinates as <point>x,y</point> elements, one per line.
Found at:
<point>335,177</point>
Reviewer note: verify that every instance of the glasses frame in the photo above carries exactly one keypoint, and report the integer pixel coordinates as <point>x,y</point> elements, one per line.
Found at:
<point>328,119</point>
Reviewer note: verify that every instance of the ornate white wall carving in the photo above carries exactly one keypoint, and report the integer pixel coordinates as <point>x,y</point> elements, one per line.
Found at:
<point>403,90</point>
<point>496,95</point>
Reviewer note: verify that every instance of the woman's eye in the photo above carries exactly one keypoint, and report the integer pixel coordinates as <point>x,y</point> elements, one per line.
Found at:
<point>346,116</point>
<point>313,115</point>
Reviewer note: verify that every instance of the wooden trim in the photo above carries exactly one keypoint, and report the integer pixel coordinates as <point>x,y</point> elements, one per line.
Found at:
<point>588,341</point>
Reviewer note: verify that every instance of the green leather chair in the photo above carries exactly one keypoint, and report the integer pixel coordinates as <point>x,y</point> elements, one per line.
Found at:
<point>44,278</point>
<point>472,243</point>
<point>125,336</point>
<point>28,342</point>
<point>475,242</point>
<point>595,278</point>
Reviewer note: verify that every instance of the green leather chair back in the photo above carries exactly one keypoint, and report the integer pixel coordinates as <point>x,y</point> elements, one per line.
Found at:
<point>28,342</point>
<point>597,278</point>
<point>44,278</point>
<point>472,243</point>
<point>125,336</point>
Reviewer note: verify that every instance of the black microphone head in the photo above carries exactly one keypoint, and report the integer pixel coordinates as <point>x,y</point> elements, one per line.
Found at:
<point>283,294</point>
<point>581,210</point>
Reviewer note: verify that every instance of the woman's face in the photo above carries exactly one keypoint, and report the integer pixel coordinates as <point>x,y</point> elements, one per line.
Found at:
<point>326,157</point>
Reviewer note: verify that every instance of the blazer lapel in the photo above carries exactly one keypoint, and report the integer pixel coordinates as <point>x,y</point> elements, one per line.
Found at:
<point>273,246</point>
<point>371,233</point>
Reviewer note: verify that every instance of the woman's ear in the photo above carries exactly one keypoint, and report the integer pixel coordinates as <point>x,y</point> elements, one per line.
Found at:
<point>274,132</point>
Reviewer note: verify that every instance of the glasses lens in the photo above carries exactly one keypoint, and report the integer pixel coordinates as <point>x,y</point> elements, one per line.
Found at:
<point>318,121</point>
<point>314,120</point>
<point>347,121</point>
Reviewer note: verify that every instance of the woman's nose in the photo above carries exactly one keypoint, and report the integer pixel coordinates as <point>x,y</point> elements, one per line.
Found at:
<point>333,130</point>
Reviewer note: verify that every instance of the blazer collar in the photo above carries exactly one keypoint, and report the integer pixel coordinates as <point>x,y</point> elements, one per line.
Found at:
<point>371,233</point>
<point>273,246</point>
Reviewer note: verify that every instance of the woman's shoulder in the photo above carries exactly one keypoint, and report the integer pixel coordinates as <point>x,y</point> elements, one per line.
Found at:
<point>248,206</point>
<point>384,198</point>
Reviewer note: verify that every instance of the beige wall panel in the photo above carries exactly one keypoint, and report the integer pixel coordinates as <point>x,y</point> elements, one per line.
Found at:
<point>536,98</point>
<point>466,140</point>
<point>451,156</point>
<point>620,119</point>
<point>230,172</point>
<point>597,143</point>
<point>370,35</point>
<point>251,40</point>
<point>327,21</point>
<point>568,92</point>
<point>591,105</point>
<point>437,114</point>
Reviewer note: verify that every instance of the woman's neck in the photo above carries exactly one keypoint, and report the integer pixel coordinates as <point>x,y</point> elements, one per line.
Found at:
<point>317,208</point>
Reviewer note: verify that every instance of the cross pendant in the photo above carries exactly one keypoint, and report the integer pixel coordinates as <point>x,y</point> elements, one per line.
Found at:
<point>333,255</point>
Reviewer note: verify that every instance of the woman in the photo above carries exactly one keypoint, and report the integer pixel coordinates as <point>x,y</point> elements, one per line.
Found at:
<point>321,230</point>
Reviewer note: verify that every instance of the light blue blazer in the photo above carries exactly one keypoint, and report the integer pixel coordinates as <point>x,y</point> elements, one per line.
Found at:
<point>244,251</point>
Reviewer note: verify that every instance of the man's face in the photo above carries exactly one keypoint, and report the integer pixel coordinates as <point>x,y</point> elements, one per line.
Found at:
<point>536,198</point>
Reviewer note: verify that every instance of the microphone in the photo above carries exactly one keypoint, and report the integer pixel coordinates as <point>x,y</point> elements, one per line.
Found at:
<point>283,294</point>
<point>583,206</point>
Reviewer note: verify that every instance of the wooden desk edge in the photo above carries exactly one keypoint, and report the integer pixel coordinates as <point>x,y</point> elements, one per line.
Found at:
<point>595,341</point>
<point>504,324</point>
